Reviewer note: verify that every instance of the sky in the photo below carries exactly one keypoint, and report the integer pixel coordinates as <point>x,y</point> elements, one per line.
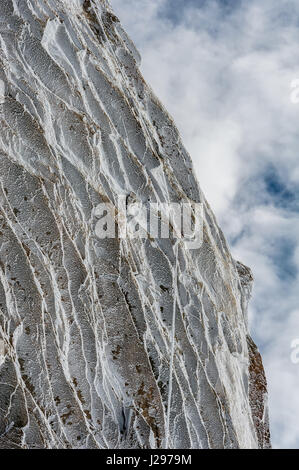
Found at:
<point>224,69</point>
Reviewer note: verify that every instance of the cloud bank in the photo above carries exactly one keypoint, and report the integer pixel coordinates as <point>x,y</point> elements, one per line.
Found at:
<point>224,70</point>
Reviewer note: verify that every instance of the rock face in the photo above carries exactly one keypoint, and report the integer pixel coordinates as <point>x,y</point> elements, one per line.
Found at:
<point>120,342</point>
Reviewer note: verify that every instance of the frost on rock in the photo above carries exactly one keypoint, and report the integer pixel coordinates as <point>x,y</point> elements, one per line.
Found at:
<point>88,354</point>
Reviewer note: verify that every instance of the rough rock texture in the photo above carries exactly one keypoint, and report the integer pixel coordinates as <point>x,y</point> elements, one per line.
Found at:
<point>119,342</point>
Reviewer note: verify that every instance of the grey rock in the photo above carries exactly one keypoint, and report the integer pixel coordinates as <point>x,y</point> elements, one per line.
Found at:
<point>108,343</point>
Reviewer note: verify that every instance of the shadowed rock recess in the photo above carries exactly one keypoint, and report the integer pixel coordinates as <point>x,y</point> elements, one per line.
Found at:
<point>112,343</point>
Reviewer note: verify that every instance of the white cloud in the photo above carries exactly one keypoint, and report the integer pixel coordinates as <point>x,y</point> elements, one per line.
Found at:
<point>225,78</point>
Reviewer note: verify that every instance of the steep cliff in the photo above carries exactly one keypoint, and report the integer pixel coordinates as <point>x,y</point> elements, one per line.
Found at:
<point>121,342</point>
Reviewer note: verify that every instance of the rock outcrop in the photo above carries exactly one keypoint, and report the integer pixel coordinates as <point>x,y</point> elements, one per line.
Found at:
<point>118,342</point>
